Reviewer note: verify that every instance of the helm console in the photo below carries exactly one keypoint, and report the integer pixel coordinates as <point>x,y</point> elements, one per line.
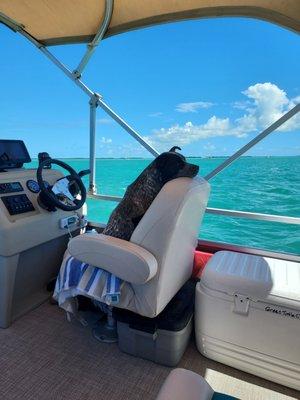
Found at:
<point>32,239</point>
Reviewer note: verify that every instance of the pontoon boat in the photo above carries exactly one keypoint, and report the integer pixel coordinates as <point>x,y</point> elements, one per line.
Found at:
<point>247,302</point>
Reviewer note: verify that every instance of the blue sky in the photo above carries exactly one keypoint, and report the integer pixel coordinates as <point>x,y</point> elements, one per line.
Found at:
<point>208,85</point>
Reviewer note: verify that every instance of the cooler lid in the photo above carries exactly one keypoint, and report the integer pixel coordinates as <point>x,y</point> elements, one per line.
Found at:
<point>259,278</point>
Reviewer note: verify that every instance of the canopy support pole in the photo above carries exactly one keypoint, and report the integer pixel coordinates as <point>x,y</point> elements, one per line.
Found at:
<point>127,127</point>
<point>91,47</point>
<point>95,101</point>
<point>10,23</point>
<point>56,62</point>
<point>93,113</point>
<point>254,141</point>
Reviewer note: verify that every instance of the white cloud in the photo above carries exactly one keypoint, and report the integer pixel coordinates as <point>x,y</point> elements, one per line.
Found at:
<point>193,107</point>
<point>189,133</point>
<point>269,103</point>
<point>105,140</point>
<point>265,103</point>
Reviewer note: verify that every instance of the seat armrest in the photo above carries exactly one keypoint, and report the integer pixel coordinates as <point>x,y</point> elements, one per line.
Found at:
<point>124,259</point>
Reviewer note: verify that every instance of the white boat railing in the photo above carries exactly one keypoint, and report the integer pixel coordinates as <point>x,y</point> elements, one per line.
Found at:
<point>221,211</point>
<point>256,216</point>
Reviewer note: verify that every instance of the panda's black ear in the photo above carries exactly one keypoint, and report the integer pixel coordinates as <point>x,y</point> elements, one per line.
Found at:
<point>174,148</point>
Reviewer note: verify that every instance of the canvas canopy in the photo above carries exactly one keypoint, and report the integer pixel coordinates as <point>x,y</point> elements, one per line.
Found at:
<point>76,21</point>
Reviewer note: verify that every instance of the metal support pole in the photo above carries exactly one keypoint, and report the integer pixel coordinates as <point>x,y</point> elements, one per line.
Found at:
<point>254,216</point>
<point>91,94</point>
<point>254,141</point>
<point>80,84</point>
<point>220,211</point>
<point>60,65</point>
<point>91,47</point>
<point>127,127</point>
<point>93,111</point>
<point>19,28</point>
<point>10,23</point>
<point>94,102</point>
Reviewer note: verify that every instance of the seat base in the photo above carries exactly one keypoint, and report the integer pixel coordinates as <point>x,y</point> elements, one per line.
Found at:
<point>105,334</point>
<point>162,339</point>
<point>106,330</point>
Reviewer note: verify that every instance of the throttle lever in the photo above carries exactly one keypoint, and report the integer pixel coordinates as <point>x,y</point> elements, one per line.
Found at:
<point>84,172</point>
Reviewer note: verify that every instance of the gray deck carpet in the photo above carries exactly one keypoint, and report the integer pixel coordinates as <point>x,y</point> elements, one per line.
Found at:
<point>43,357</point>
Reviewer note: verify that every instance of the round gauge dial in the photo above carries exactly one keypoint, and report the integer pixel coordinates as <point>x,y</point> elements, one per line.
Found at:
<point>33,186</point>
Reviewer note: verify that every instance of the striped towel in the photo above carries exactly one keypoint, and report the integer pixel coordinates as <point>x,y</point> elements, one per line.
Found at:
<point>77,278</point>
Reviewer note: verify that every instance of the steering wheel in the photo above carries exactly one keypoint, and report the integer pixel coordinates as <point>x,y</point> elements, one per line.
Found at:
<point>68,193</point>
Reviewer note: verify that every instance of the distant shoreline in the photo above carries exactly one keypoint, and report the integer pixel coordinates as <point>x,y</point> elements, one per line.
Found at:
<point>146,158</point>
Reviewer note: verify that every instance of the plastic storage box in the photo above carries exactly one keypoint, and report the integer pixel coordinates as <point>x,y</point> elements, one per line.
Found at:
<point>247,315</point>
<point>162,339</point>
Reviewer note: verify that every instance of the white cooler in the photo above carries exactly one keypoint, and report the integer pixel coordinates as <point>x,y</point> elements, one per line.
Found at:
<point>248,315</point>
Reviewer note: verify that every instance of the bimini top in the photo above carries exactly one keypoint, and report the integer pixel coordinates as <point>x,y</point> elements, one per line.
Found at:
<point>68,21</point>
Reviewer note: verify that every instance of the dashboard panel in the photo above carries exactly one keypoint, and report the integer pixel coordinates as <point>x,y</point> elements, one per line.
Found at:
<point>23,223</point>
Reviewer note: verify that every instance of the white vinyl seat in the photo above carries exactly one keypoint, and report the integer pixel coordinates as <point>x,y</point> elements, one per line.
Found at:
<point>184,384</point>
<point>158,259</point>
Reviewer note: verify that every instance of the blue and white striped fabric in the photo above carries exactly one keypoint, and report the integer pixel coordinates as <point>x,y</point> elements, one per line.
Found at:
<point>77,278</point>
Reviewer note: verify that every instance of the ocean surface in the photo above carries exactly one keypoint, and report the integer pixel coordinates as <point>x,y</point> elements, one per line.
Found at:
<point>256,184</point>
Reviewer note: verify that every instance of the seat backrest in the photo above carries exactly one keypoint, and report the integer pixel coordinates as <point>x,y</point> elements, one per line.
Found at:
<point>169,230</point>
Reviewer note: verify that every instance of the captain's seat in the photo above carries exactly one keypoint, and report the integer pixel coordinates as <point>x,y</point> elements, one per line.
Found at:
<point>158,260</point>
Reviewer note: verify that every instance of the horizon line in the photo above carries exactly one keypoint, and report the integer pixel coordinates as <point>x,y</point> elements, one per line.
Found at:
<point>149,158</point>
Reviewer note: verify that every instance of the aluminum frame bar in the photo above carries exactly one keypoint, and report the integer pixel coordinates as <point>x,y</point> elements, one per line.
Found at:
<point>91,94</point>
<point>91,47</point>
<point>104,197</point>
<point>209,246</point>
<point>254,141</point>
<point>255,216</point>
<point>127,127</point>
<point>221,211</point>
<point>59,64</point>
<point>10,23</point>
<point>95,100</point>
<point>94,103</point>
<point>93,114</point>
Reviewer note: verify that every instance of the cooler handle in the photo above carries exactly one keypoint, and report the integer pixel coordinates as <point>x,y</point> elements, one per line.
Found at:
<point>241,304</point>
<point>150,335</point>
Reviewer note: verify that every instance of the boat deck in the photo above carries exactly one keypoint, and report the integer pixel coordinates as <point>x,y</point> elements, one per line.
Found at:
<point>44,357</point>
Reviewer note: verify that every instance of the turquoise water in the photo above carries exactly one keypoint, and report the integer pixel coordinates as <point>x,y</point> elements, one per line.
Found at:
<point>256,184</point>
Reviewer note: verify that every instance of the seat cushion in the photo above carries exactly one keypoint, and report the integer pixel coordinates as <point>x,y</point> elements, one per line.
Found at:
<point>183,384</point>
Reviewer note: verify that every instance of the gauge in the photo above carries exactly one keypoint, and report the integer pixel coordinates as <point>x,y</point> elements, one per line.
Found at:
<point>33,186</point>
